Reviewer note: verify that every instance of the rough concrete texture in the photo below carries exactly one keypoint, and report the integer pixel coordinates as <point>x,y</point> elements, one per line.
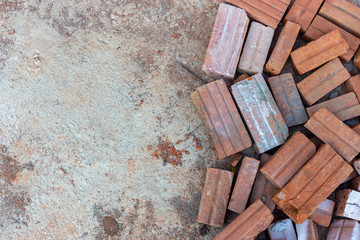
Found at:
<point>97,119</point>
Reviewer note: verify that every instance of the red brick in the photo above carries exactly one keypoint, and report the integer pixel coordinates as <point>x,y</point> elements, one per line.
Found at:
<point>226,42</point>
<point>256,48</point>
<point>219,113</point>
<point>344,107</point>
<point>355,184</point>
<point>320,26</point>
<point>243,185</point>
<point>282,230</point>
<point>288,159</point>
<point>356,128</point>
<point>343,229</point>
<point>263,189</point>
<point>262,116</point>
<point>323,214</point>
<point>302,12</point>
<point>318,52</point>
<point>312,184</point>
<point>338,135</point>
<point>288,99</point>
<point>307,230</point>
<point>215,197</point>
<point>343,13</point>
<point>268,12</point>
<point>282,48</point>
<point>249,224</point>
<point>348,204</point>
<point>353,85</point>
<point>357,59</point>
<point>323,81</point>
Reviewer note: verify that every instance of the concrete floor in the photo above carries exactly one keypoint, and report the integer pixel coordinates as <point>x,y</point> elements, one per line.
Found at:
<point>97,120</point>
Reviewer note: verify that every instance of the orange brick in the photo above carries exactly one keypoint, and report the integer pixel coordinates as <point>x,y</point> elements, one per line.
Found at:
<point>353,85</point>
<point>282,48</point>
<point>344,107</point>
<point>288,159</point>
<point>352,175</point>
<point>312,184</point>
<point>323,81</point>
<point>302,12</point>
<point>243,185</point>
<point>268,12</point>
<point>249,224</point>
<point>215,197</point>
<point>357,59</point>
<point>334,132</point>
<point>263,189</point>
<point>241,77</point>
<point>219,113</point>
<point>318,52</point>
<point>320,26</point>
<point>343,13</point>
<point>323,214</point>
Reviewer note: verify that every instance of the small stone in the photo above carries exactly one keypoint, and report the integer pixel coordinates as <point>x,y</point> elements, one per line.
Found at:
<point>333,95</point>
<point>111,226</point>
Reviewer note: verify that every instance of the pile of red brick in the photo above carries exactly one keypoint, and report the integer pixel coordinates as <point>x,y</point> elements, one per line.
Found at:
<point>250,110</point>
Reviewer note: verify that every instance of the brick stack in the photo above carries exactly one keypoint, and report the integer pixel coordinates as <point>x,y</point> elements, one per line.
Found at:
<point>305,143</point>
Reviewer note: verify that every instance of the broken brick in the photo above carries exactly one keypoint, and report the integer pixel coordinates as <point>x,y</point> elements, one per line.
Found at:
<point>227,38</point>
<point>343,13</point>
<point>256,48</point>
<point>320,26</point>
<point>282,48</point>
<point>215,197</point>
<point>288,99</point>
<point>288,159</point>
<point>323,214</point>
<point>344,107</point>
<point>258,108</point>
<point>219,113</point>
<point>302,12</point>
<point>312,184</point>
<point>255,219</point>
<point>282,230</point>
<point>316,53</point>
<point>348,204</point>
<point>356,164</point>
<point>243,185</point>
<point>333,131</point>
<point>323,81</point>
